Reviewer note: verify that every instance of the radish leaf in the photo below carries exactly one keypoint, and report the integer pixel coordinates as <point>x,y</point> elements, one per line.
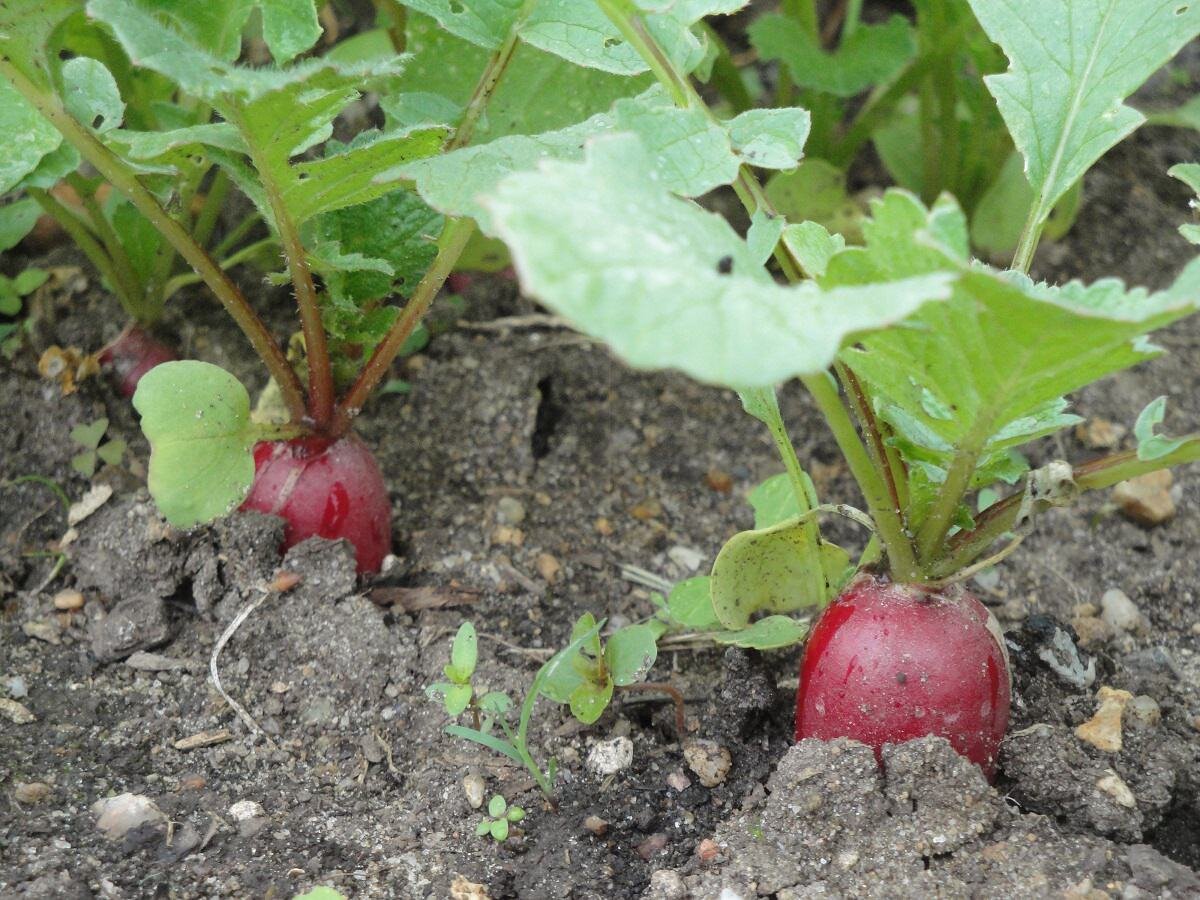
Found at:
<point>196,417</point>
<point>628,262</point>
<point>1072,64</point>
<point>768,633</point>
<point>629,653</point>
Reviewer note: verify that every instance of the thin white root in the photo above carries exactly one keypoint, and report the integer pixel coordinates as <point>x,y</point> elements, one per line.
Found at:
<point>215,675</point>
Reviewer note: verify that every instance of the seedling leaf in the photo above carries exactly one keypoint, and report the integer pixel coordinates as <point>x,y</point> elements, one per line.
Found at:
<point>196,417</point>
<point>463,654</point>
<point>1072,64</point>
<point>771,138</point>
<point>654,266</point>
<point>1150,445</point>
<point>17,219</point>
<point>773,501</point>
<point>91,95</point>
<point>630,653</point>
<point>29,136</point>
<point>496,806</point>
<point>769,570</point>
<point>589,700</point>
<point>500,829</point>
<point>690,604</point>
<point>504,748</point>
<point>769,633</point>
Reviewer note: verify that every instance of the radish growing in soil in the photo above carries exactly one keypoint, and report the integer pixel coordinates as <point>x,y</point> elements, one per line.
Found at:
<point>131,355</point>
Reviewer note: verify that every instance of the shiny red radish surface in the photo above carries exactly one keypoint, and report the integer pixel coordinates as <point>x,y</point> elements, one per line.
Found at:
<point>887,663</point>
<point>323,488</point>
<point>134,353</point>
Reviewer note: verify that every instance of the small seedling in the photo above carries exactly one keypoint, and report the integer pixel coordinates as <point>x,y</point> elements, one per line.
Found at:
<point>12,293</point>
<point>95,448</point>
<point>499,816</point>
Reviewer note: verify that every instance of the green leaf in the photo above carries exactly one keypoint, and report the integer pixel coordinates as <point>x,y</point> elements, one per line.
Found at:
<point>773,501</point>
<point>504,748</point>
<point>84,463</point>
<point>589,700</point>
<point>484,827</point>
<point>91,95</point>
<point>996,359</point>
<point>769,633</point>
<point>813,246</point>
<point>1072,64</point>
<point>1000,213</point>
<point>1187,115</point>
<point>499,829</point>
<point>17,220</point>
<point>495,702</point>
<point>196,417</point>
<point>815,191</point>
<point>457,697</point>
<point>497,806</point>
<point>289,27</point>
<point>1151,446</point>
<point>690,151</point>
<point>1189,174</point>
<point>321,893</point>
<point>769,570</point>
<point>90,435</point>
<point>770,138</point>
<point>654,266</point>
<point>29,136</point>
<point>515,814</point>
<point>29,280</point>
<point>872,55</point>
<point>690,604</point>
<point>463,654</point>
<point>630,653</point>
<point>573,669</point>
<point>112,452</point>
<point>764,233</point>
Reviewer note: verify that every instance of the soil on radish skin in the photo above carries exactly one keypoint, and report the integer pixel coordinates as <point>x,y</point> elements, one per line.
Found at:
<point>359,787</point>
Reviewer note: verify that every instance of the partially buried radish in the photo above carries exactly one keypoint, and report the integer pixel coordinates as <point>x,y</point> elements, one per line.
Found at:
<point>889,662</point>
<point>325,488</point>
<point>131,355</point>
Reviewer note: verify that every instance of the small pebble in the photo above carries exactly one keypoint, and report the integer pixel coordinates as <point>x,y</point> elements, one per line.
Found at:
<point>679,781</point>
<point>687,558</point>
<point>651,846</point>
<point>647,509</point>
<point>117,816</point>
<point>666,884</point>
<point>1100,434</point>
<point>548,567</point>
<point>474,788</point>
<point>709,760</point>
<point>719,480</point>
<point>31,792</point>
<point>15,712</point>
<point>462,889</point>
<point>1147,498</point>
<point>1144,712</point>
<point>1120,612</point>
<point>595,825</point>
<point>610,757</point>
<point>68,600</point>
<point>1103,730</point>
<point>246,809</point>
<point>510,511</point>
<point>707,850</point>
<point>46,630</point>
<point>1091,630</point>
<point>16,687</point>
<point>1112,785</point>
<point>507,536</point>
<point>603,526</point>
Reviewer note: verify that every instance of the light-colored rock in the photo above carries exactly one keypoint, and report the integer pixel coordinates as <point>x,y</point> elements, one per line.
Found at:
<point>15,712</point>
<point>709,760</point>
<point>1100,434</point>
<point>246,809</point>
<point>510,511</point>
<point>1103,730</point>
<point>474,788</point>
<point>1091,631</point>
<point>596,825</point>
<point>610,757</point>
<point>1111,784</point>
<point>678,781</point>
<point>31,792</point>
<point>462,889</point>
<point>68,600</point>
<point>1121,613</point>
<point>46,630</point>
<point>548,567</point>
<point>16,687</point>
<point>1143,712</point>
<point>1147,498</point>
<point>666,884</point>
<point>119,815</point>
<point>687,558</point>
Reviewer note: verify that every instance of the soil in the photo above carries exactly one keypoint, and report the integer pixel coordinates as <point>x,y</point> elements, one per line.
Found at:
<point>356,785</point>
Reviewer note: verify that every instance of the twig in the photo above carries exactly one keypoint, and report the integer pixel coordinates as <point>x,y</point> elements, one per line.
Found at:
<point>671,691</point>
<point>645,578</point>
<point>285,581</point>
<point>508,323</point>
<point>542,654</point>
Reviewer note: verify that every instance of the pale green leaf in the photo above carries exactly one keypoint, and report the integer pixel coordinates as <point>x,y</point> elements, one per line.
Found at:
<point>463,654</point>
<point>629,653</point>
<point>17,220</point>
<point>515,814</point>
<point>816,191</point>
<point>1189,174</point>
<point>1186,115</point>
<point>764,233</point>
<point>91,95</point>
<point>872,55</point>
<point>28,137</point>
<point>499,829</point>
<point>321,893</point>
<point>497,806</point>
<point>691,152</point>
<point>457,698</point>
<point>168,146</point>
<point>91,434</point>
<point>690,604</point>
<point>1000,213</point>
<point>484,827</point>
<point>482,22</point>
<point>770,570</point>
<point>196,417</point>
<point>813,246</point>
<point>589,700</point>
<point>289,27</point>
<point>770,138</point>
<point>768,633</point>
<point>773,501</point>
<point>628,262</point>
<point>29,280</point>
<point>1072,64</point>
<point>1149,444</point>
<point>53,168</point>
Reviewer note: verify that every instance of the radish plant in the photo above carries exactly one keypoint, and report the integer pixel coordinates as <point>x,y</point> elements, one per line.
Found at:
<point>931,369</point>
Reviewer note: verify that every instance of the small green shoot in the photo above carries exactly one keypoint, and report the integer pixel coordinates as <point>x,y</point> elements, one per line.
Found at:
<point>499,816</point>
<point>95,448</point>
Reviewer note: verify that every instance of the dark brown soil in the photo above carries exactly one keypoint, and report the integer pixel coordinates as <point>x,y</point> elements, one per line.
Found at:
<point>360,789</point>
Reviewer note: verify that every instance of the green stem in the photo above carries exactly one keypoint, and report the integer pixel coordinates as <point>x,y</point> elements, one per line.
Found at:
<point>878,107</point>
<point>726,77</point>
<point>885,457</point>
<point>853,16</point>
<point>453,240</point>
<point>936,526</point>
<point>805,13</point>
<point>1031,234</point>
<point>239,231</point>
<point>128,282</point>
<point>931,161</point>
<point>632,29</point>
<point>316,349</point>
<point>121,177</point>
<point>84,239</point>
<point>214,202</point>
<point>887,516</point>
<point>184,279</point>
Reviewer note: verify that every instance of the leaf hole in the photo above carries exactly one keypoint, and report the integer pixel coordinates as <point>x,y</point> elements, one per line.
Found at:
<point>610,42</point>
<point>725,265</point>
<point>1181,10</point>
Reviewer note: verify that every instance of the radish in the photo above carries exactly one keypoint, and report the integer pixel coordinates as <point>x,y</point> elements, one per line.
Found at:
<point>325,488</point>
<point>890,662</point>
<point>131,355</point>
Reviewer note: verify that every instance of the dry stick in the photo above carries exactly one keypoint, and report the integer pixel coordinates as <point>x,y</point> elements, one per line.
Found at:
<point>671,691</point>
<point>125,181</point>
<point>285,581</point>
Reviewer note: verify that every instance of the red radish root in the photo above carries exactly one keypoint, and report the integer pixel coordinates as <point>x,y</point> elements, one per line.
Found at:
<point>889,662</point>
<point>325,488</point>
<point>134,353</point>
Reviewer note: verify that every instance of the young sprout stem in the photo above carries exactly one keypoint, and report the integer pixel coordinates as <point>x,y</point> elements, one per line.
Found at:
<point>129,284</point>
<point>453,240</point>
<point>121,177</point>
<point>671,691</point>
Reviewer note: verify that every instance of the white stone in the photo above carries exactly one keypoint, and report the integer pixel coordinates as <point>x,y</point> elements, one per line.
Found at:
<point>687,558</point>
<point>610,757</point>
<point>1120,612</point>
<point>246,809</point>
<point>117,816</point>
